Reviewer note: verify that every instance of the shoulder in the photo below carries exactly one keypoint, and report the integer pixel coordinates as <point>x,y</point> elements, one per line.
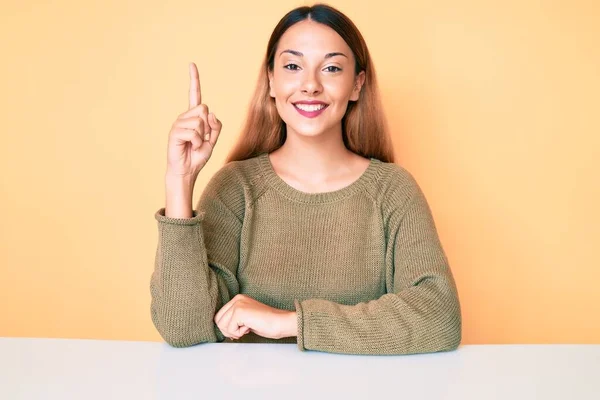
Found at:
<point>394,189</point>
<point>234,184</point>
<point>393,183</point>
<point>238,175</point>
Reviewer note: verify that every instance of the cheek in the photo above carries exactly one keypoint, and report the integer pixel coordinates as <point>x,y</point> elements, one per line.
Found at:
<point>285,88</point>
<point>338,90</point>
<point>282,84</point>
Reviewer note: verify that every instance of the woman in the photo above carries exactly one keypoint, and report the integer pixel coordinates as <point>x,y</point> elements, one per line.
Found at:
<point>310,233</point>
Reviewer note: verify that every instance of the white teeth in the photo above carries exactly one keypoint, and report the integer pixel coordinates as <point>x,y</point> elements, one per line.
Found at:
<point>310,107</point>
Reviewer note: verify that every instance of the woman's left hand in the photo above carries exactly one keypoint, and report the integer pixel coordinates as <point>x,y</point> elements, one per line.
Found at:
<point>243,314</point>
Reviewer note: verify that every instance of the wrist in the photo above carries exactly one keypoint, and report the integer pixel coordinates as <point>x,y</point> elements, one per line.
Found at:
<point>290,324</point>
<point>179,194</point>
<point>185,182</point>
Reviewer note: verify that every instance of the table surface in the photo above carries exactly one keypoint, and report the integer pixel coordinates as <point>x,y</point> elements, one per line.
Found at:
<point>102,369</point>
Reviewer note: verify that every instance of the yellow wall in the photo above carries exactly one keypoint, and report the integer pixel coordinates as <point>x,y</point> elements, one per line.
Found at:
<point>494,109</point>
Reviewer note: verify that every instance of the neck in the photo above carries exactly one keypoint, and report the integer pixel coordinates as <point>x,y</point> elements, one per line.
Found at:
<point>314,159</point>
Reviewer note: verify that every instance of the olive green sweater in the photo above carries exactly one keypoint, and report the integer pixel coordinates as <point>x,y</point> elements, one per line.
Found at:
<point>363,266</point>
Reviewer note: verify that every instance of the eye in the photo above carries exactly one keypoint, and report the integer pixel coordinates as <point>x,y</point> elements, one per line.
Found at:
<point>293,67</point>
<point>333,66</point>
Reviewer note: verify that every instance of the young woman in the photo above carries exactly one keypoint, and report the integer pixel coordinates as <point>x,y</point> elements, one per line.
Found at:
<point>310,233</point>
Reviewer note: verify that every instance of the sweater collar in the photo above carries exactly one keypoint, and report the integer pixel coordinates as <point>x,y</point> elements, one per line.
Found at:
<point>292,193</point>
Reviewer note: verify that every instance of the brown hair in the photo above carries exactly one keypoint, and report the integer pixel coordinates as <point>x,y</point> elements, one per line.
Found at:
<point>364,128</point>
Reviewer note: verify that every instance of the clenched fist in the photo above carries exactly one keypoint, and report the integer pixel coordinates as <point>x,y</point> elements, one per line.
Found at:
<point>243,314</point>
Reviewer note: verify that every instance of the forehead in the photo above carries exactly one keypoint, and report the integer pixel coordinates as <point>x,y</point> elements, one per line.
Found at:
<point>311,37</point>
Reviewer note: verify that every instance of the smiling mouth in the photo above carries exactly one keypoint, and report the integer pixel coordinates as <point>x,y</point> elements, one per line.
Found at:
<point>310,110</point>
<point>310,107</point>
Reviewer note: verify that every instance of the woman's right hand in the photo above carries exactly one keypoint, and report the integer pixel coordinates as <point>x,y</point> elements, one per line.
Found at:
<point>192,136</point>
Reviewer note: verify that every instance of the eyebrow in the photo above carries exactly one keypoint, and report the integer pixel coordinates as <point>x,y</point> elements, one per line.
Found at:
<point>297,53</point>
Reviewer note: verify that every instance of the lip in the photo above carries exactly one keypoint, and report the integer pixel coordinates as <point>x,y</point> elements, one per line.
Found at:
<point>311,114</point>
<point>310,102</point>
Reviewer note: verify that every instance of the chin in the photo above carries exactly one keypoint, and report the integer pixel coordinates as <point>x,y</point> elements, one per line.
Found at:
<point>308,129</point>
<point>308,132</point>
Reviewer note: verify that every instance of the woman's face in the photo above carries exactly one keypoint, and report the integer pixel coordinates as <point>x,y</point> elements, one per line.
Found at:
<point>313,64</point>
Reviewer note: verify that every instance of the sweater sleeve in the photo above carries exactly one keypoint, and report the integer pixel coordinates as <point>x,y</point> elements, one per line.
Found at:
<point>195,265</point>
<point>419,314</point>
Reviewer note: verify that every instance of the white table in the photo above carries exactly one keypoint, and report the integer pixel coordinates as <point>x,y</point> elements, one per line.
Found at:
<point>97,369</point>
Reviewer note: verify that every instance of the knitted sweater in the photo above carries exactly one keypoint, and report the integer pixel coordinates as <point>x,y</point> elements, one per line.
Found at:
<point>362,266</point>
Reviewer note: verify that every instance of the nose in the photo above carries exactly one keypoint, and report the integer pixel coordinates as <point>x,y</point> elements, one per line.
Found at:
<point>311,84</point>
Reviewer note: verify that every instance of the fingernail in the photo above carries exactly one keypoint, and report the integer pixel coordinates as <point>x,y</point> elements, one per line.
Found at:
<point>207,137</point>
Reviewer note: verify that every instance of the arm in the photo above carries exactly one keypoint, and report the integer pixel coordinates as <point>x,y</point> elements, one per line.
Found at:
<point>419,314</point>
<point>195,266</point>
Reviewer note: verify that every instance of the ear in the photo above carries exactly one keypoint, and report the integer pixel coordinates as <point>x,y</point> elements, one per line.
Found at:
<point>271,91</point>
<point>358,82</point>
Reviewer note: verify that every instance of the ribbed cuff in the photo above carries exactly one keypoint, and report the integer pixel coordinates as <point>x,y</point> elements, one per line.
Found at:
<point>300,335</point>
<point>195,219</point>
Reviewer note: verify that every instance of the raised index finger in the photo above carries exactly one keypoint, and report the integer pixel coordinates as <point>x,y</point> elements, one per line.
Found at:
<point>195,97</point>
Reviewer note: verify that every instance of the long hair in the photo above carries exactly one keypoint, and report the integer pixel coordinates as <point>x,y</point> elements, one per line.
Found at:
<point>364,127</point>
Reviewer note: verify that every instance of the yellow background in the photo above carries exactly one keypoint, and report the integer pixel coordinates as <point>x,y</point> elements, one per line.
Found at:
<point>494,108</point>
